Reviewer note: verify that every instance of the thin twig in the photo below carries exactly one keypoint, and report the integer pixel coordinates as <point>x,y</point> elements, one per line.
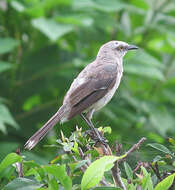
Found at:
<point>19,167</point>
<point>139,164</point>
<point>133,148</point>
<point>156,170</point>
<point>116,173</point>
<point>116,170</point>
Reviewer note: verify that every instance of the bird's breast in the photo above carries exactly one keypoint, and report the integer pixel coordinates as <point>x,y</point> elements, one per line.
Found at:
<point>103,101</point>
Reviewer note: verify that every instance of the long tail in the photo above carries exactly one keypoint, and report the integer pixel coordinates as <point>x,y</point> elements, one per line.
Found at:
<point>45,129</point>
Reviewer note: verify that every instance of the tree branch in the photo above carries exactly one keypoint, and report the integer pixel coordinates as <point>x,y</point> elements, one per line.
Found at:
<point>133,148</point>
<point>116,170</point>
<point>19,167</point>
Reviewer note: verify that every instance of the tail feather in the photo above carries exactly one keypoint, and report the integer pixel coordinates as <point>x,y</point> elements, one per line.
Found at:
<point>44,129</point>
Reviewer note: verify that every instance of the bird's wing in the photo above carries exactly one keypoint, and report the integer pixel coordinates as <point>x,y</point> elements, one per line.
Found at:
<point>95,86</point>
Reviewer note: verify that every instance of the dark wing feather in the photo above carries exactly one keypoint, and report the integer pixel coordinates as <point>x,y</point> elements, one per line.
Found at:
<point>90,86</point>
<point>95,90</point>
<point>98,79</point>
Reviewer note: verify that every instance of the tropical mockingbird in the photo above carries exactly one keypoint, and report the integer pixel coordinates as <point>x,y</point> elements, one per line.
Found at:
<point>91,90</point>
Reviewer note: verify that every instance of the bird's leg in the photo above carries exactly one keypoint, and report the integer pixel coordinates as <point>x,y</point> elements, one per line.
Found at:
<point>96,132</point>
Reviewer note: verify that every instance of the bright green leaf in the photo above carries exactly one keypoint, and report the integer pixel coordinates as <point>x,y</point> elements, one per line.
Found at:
<point>52,183</point>
<point>146,181</point>
<point>9,160</point>
<point>107,130</point>
<point>166,183</point>
<point>95,171</point>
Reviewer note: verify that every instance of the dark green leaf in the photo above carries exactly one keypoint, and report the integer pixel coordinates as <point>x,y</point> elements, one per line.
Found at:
<point>17,6</point>
<point>6,118</point>
<point>99,4</point>
<point>47,26</point>
<point>7,44</point>
<point>128,171</point>
<point>60,173</point>
<point>160,147</point>
<point>107,188</point>
<point>4,66</point>
<point>22,184</point>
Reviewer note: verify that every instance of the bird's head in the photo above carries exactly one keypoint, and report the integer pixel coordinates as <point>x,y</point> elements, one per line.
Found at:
<point>116,48</point>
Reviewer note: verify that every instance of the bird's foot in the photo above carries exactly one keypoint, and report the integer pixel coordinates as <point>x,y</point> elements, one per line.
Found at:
<point>97,136</point>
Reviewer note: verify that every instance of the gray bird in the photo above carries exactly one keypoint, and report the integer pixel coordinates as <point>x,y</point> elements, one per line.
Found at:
<point>91,90</point>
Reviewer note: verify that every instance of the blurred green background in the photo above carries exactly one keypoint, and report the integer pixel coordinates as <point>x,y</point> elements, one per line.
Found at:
<point>44,44</point>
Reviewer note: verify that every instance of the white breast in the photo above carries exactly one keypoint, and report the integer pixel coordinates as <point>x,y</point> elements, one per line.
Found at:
<point>103,101</point>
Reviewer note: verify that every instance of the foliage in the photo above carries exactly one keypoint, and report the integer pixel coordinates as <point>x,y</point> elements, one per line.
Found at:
<point>45,44</point>
<point>95,171</point>
<point>81,166</point>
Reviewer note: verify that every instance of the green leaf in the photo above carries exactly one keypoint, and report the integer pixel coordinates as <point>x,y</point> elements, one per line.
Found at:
<point>162,120</point>
<point>107,188</point>
<point>51,28</point>
<point>77,165</point>
<point>7,45</point>
<point>143,64</point>
<point>4,66</point>
<point>160,147</point>
<point>75,19</point>
<point>166,183</point>
<point>60,173</point>
<point>95,171</point>
<point>8,172</point>
<point>22,184</point>
<point>9,160</point>
<point>128,171</point>
<point>36,159</point>
<point>17,6</point>
<point>7,147</point>
<point>6,118</point>
<point>171,140</point>
<point>52,183</point>
<point>144,70</point>
<point>33,171</point>
<point>146,181</point>
<point>145,58</point>
<point>107,130</point>
<point>102,5</point>
<point>157,158</point>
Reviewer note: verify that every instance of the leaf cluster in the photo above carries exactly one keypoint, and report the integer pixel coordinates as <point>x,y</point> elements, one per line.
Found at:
<point>82,167</point>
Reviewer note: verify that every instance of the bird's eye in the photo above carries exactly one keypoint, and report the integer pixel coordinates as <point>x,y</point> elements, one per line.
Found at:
<point>121,48</point>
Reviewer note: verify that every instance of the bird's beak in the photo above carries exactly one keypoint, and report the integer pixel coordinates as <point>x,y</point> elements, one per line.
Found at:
<point>131,47</point>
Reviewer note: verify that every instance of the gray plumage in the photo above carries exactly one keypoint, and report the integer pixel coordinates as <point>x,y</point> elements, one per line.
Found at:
<point>92,89</point>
